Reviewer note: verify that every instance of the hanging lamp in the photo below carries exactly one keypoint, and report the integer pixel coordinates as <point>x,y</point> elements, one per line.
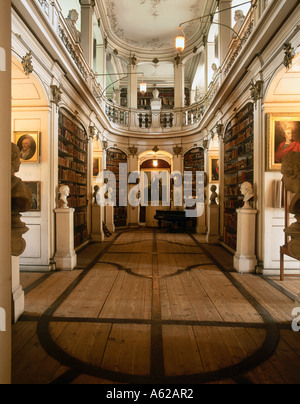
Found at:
<point>180,40</point>
<point>143,87</point>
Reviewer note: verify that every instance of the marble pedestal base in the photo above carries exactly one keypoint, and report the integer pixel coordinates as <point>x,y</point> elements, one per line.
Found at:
<point>245,260</point>
<point>65,257</point>
<point>213,235</point>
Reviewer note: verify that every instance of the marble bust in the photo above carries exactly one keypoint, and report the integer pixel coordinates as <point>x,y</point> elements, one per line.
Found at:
<point>214,195</point>
<point>239,19</point>
<point>21,201</point>
<point>64,192</point>
<point>71,21</point>
<point>290,170</point>
<point>247,191</point>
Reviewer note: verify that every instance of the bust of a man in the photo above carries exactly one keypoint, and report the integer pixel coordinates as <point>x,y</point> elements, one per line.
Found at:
<point>239,19</point>
<point>21,197</point>
<point>71,22</point>
<point>290,170</point>
<point>64,192</point>
<point>247,191</point>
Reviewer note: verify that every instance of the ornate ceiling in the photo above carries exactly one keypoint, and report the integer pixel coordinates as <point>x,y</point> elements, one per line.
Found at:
<point>150,26</point>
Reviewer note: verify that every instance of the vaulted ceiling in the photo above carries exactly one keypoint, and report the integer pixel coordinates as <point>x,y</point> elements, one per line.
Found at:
<point>149,27</point>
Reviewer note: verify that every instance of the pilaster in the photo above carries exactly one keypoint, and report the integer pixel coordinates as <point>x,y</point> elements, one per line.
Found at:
<point>5,196</point>
<point>87,30</point>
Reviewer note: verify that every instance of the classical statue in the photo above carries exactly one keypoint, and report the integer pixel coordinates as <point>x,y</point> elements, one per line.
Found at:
<point>71,22</point>
<point>21,201</point>
<point>239,19</point>
<point>290,170</point>
<point>214,195</point>
<point>64,192</point>
<point>247,191</point>
<point>96,190</point>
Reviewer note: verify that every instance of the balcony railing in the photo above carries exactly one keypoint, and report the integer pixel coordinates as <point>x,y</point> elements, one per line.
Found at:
<point>134,120</point>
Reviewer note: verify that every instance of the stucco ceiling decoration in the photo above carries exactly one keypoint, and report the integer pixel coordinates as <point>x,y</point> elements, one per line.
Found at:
<point>151,25</point>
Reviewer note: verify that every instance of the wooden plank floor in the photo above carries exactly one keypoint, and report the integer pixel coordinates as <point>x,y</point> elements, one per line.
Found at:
<point>150,307</point>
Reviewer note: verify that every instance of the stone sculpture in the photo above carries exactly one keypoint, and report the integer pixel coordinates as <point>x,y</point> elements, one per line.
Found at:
<point>290,170</point>
<point>247,191</point>
<point>214,195</point>
<point>71,22</point>
<point>64,192</point>
<point>21,201</point>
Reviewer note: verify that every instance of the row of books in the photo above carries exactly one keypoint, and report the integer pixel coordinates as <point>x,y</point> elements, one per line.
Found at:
<point>77,201</point>
<point>240,165</point>
<point>81,236</point>
<point>241,138</point>
<point>78,190</point>
<point>73,176</point>
<point>71,127</point>
<point>230,220</point>
<point>72,139</point>
<point>73,165</point>
<point>79,219</point>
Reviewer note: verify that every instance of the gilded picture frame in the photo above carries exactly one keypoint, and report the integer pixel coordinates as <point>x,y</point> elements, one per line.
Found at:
<point>29,145</point>
<point>214,169</point>
<point>282,136</point>
<point>96,166</point>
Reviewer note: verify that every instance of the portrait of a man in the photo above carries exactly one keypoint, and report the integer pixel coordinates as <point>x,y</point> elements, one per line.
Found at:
<point>283,138</point>
<point>287,139</point>
<point>28,144</point>
<point>215,170</point>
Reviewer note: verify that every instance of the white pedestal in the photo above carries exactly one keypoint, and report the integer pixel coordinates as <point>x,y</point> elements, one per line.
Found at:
<point>18,297</point>
<point>213,235</point>
<point>109,218</point>
<point>97,224</point>
<point>65,257</point>
<point>201,223</point>
<point>245,260</point>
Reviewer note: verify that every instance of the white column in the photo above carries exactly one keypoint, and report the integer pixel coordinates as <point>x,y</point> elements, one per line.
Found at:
<point>179,85</point>
<point>132,86</point>
<point>259,178</point>
<point>100,67</point>
<point>225,34</point>
<point>210,57</point>
<point>87,30</point>
<point>5,196</point>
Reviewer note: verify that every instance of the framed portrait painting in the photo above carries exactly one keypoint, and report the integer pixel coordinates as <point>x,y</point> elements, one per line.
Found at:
<point>214,169</point>
<point>29,145</point>
<point>283,137</point>
<point>96,166</point>
<point>35,188</point>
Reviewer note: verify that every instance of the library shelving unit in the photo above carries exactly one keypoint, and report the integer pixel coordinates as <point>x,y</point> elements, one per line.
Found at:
<point>238,168</point>
<point>72,171</point>
<point>166,95</point>
<point>114,157</point>
<point>193,162</point>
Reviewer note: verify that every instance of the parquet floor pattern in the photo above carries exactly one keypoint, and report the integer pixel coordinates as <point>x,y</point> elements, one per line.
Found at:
<point>152,307</point>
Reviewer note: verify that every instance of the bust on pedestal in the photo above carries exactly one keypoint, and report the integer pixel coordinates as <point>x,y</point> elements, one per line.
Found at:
<point>245,260</point>
<point>21,201</point>
<point>65,257</point>
<point>213,234</point>
<point>290,169</point>
<point>97,218</point>
<point>156,104</point>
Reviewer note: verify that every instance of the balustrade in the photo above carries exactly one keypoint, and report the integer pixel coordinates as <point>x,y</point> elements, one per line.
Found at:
<point>135,120</point>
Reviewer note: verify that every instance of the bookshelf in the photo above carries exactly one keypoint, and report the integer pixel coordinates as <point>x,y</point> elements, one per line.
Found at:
<point>72,171</point>
<point>238,168</point>
<point>114,157</point>
<point>193,162</point>
<point>165,94</point>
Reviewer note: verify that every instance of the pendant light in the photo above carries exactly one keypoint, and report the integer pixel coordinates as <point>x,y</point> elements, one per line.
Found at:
<point>180,40</point>
<point>143,87</point>
<point>155,163</point>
